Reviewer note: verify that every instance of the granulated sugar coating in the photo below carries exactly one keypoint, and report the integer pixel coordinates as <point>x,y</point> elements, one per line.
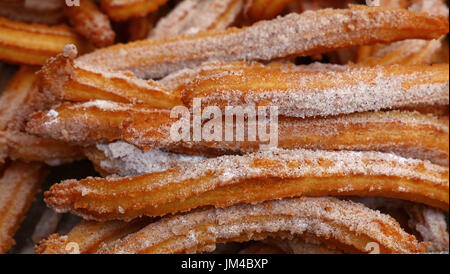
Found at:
<point>311,32</point>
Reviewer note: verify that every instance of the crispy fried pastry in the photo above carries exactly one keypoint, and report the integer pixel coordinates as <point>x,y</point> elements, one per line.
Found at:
<point>67,81</point>
<point>257,177</point>
<point>88,237</point>
<point>292,35</point>
<point>18,185</point>
<point>91,23</point>
<point>120,10</point>
<point>19,99</point>
<point>409,134</point>
<point>427,223</point>
<point>32,44</point>
<point>29,148</point>
<point>193,16</point>
<point>92,122</point>
<point>348,225</point>
<point>412,51</point>
<point>318,89</point>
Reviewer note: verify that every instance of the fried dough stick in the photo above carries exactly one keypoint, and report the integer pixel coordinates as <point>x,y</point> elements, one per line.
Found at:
<point>348,225</point>
<point>251,178</point>
<point>310,33</point>
<point>19,183</point>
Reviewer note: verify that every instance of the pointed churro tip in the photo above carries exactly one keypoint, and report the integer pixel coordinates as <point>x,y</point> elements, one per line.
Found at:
<point>70,51</point>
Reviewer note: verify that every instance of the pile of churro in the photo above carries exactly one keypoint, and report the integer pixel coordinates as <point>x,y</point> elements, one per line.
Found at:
<point>224,126</point>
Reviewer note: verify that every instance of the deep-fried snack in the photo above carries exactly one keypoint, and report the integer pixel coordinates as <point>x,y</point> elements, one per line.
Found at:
<point>119,10</point>
<point>265,9</point>
<point>80,82</point>
<point>127,160</point>
<point>32,44</point>
<point>409,134</point>
<point>292,35</point>
<point>30,14</point>
<point>19,99</point>
<point>318,89</point>
<point>251,178</point>
<point>347,225</point>
<point>88,237</point>
<point>431,225</point>
<point>100,121</point>
<point>91,23</point>
<point>18,185</point>
<point>412,51</point>
<point>428,223</point>
<point>193,16</point>
<point>29,148</point>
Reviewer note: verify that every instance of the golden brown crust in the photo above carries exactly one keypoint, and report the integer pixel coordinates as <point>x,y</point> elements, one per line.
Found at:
<point>18,185</point>
<point>92,122</point>
<point>406,52</point>
<point>300,35</point>
<point>91,23</point>
<point>193,16</point>
<point>87,237</point>
<point>347,224</point>
<point>409,134</point>
<point>120,10</point>
<point>69,82</point>
<point>257,177</point>
<point>19,99</point>
<point>317,90</point>
<point>47,41</point>
<point>29,148</point>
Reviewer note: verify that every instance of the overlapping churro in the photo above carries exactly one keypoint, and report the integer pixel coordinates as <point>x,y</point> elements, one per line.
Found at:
<point>409,134</point>
<point>19,183</point>
<point>18,100</point>
<point>292,35</point>
<point>347,225</point>
<point>257,177</point>
<point>47,41</point>
<point>193,16</point>
<point>88,237</point>
<point>318,90</point>
<point>65,80</point>
<point>408,51</point>
<point>90,22</point>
